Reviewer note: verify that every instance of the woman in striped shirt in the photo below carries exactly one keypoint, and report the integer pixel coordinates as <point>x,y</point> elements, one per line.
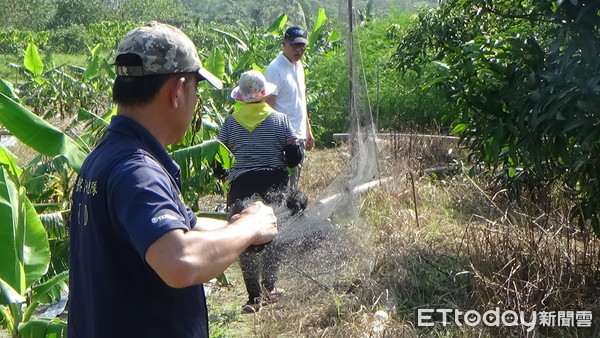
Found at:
<point>263,144</point>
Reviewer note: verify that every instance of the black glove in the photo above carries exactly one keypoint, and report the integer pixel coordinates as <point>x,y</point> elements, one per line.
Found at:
<point>293,154</point>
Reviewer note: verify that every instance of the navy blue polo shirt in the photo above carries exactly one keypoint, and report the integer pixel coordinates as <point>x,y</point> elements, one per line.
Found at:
<point>126,196</point>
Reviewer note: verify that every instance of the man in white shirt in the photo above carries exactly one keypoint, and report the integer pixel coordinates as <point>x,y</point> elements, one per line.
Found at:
<point>287,73</point>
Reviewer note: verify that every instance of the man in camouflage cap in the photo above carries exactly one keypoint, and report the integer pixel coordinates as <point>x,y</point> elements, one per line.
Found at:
<point>139,256</point>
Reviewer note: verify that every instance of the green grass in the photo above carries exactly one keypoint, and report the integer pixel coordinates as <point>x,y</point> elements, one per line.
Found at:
<point>67,59</point>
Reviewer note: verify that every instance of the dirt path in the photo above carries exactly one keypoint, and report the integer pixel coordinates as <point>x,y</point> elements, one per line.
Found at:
<point>225,305</point>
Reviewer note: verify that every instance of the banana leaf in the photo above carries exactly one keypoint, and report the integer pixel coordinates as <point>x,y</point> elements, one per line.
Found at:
<point>43,328</point>
<point>278,24</point>
<point>33,61</point>
<point>242,63</point>
<point>314,35</point>
<point>51,289</point>
<point>24,249</point>
<point>240,43</point>
<point>206,151</point>
<point>94,66</point>
<point>8,295</point>
<point>216,63</point>
<point>7,89</point>
<point>39,134</point>
<point>108,69</point>
<point>84,114</point>
<point>53,222</point>
<point>9,161</point>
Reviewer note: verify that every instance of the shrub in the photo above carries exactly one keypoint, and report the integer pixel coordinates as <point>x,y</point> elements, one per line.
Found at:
<point>69,40</point>
<point>14,41</point>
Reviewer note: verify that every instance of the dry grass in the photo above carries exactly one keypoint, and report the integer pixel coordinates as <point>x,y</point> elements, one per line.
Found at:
<point>321,167</point>
<point>471,249</point>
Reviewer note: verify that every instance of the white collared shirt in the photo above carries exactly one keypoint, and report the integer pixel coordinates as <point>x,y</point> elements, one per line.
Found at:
<point>290,93</point>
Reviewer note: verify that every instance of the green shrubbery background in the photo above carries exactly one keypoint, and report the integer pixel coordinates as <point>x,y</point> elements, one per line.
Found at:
<point>67,30</point>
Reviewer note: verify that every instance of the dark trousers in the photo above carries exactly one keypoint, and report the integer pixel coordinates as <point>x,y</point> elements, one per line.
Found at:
<point>271,186</point>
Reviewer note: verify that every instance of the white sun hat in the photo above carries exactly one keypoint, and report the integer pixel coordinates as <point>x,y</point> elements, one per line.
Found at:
<point>252,87</point>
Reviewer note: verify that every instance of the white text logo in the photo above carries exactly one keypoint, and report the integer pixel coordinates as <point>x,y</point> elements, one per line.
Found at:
<point>425,317</point>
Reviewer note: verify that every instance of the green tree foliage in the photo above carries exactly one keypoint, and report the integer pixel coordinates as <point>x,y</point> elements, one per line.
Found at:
<point>76,12</point>
<point>14,41</point>
<point>526,78</point>
<point>36,15</point>
<point>108,34</point>
<point>174,12</point>
<point>32,15</point>
<point>300,12</point>
<point>250,13</point>
<point>72,39</point>
<point>399,101</point>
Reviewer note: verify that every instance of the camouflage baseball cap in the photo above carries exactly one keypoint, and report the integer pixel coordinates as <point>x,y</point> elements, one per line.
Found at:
<point>163,49</point>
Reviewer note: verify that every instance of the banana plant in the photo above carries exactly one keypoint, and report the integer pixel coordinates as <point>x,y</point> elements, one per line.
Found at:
<point>197,153</point>
<point>24,243</point>
<point>52,90</point>
<point>24,258</point>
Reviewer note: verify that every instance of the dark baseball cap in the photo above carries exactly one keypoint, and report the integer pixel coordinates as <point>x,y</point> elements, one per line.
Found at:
<point>164,49</point>
<point>296,34</point>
